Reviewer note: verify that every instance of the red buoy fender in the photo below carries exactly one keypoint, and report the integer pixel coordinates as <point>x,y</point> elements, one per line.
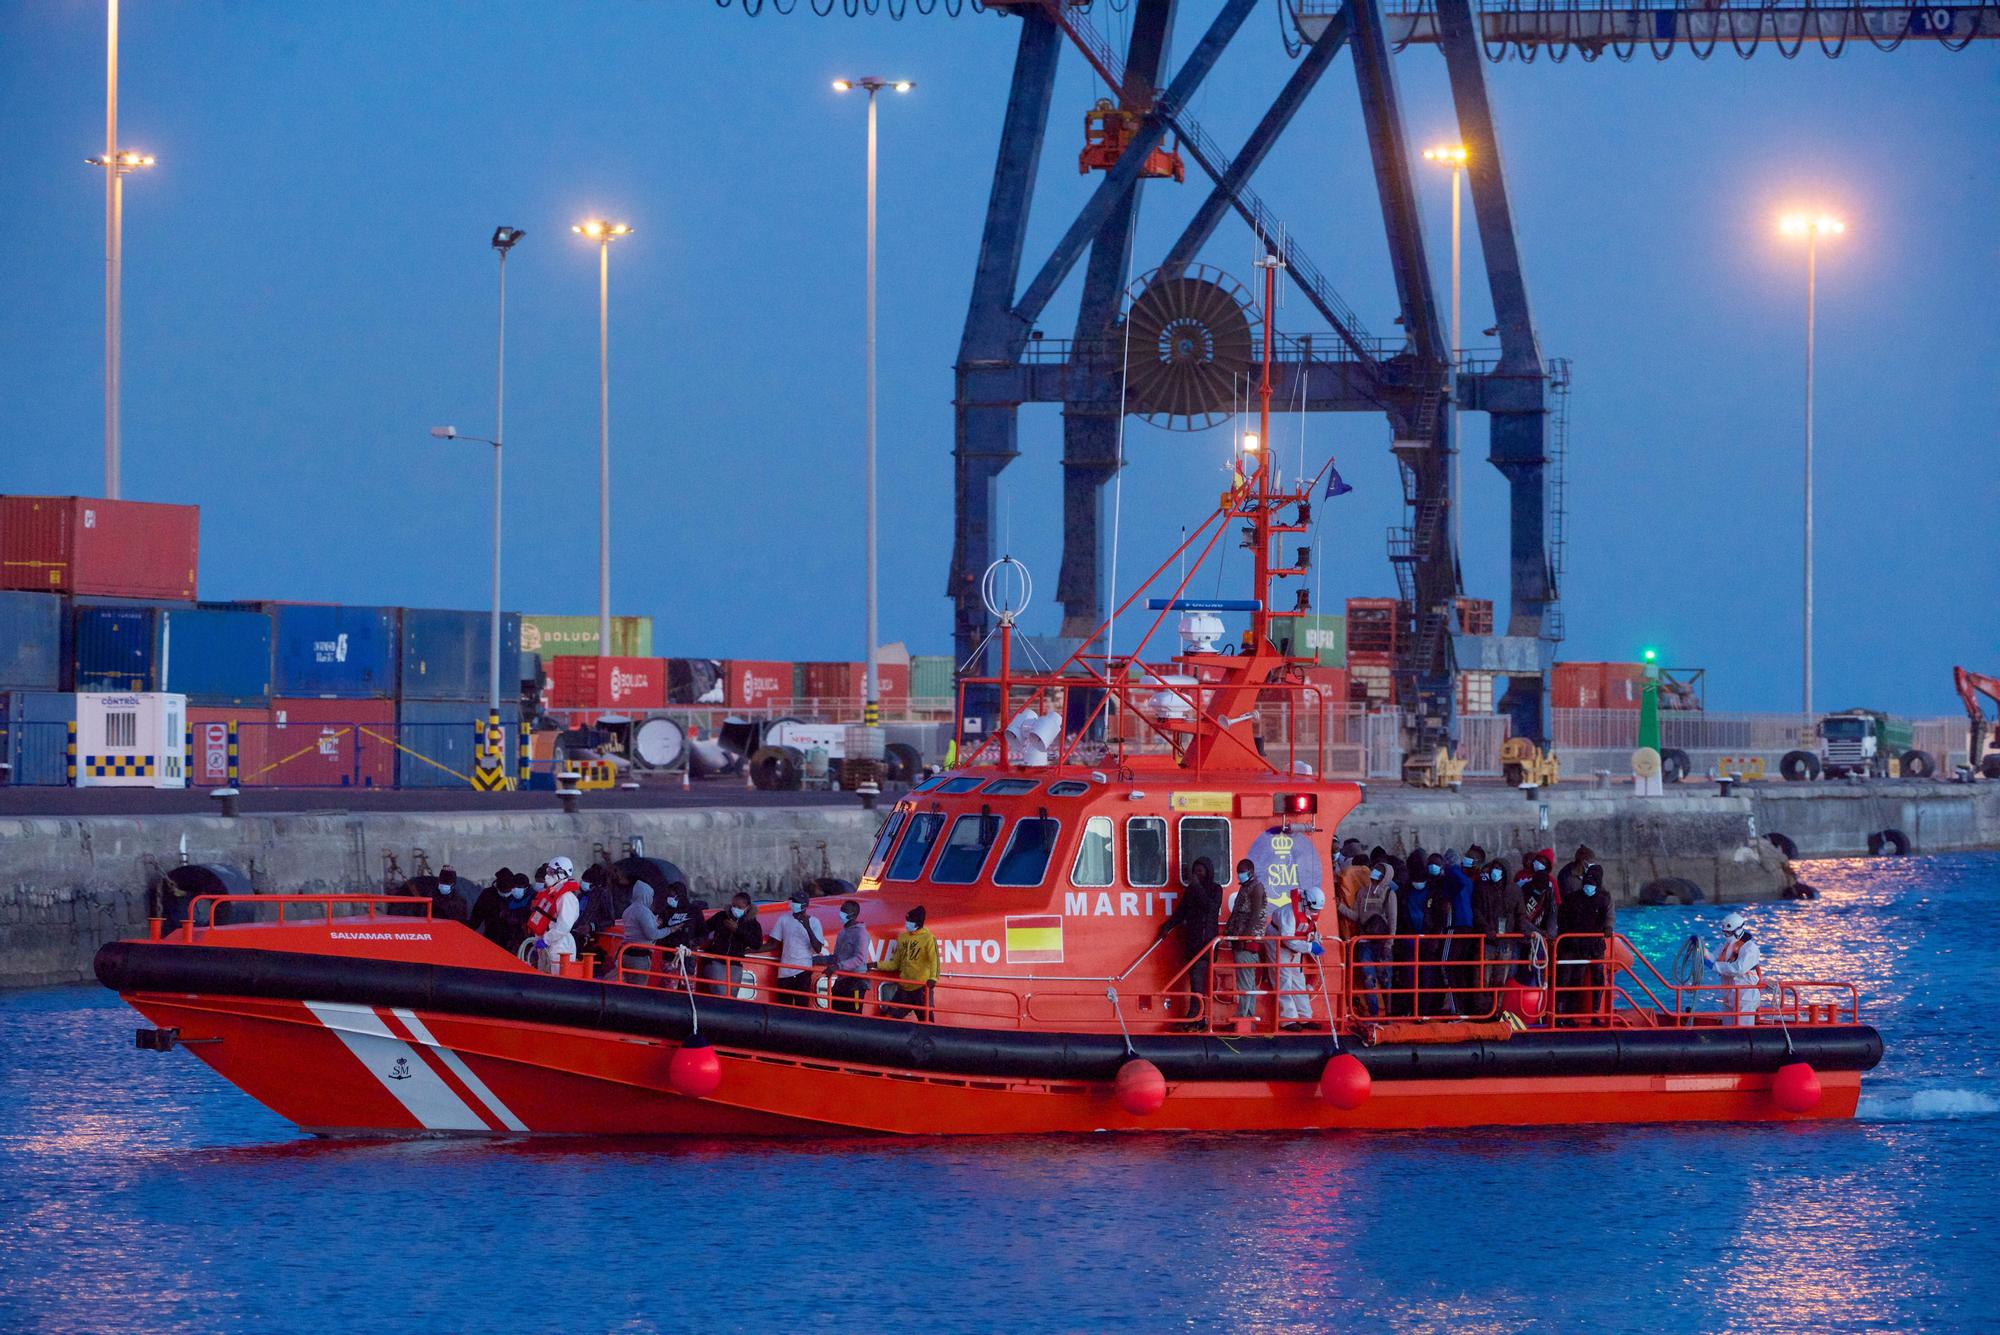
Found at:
<point>1795,1088</point>
<point>1140,1087</point>
<point>695,1070</point>
<point>1522,1000</point>
<point>1345,1083</point>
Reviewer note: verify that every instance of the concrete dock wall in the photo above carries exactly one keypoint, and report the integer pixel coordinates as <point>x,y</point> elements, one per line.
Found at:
<point>69,884</point>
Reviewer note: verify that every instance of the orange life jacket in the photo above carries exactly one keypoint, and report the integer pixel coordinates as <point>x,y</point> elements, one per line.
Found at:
<point>1734,947</point>
<point>543,915</point>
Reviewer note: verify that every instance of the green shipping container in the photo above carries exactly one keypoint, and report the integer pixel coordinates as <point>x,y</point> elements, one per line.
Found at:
<point>562,637</point>
<point>1324,637</point>
<point>930,676</point>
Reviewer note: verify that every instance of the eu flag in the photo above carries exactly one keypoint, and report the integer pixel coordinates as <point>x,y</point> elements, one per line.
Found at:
<point>1334,486</point>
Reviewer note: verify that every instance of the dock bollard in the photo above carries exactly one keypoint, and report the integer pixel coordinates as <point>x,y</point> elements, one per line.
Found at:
<point>1531,791</point>
<point>1725,784</point>
<point>229,797</point>
<point>566,790</point>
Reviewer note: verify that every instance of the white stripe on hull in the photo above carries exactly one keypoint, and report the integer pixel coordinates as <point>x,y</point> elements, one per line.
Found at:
<point>398,1067</point>
<point>501,1112</point>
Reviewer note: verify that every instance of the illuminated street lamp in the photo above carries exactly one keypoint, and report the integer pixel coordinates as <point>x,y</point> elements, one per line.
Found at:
<point>116,164</point>
<point>1812,227</point>
<point>1453,156</point>
<point>603,233</point>
<point>871,709</point>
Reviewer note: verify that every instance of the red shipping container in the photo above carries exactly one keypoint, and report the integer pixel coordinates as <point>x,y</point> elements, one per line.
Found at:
<point>1624,685</point>
<point>838,682</point>
<point>330,744</point>
<point>1576,686</point>
<point>753,684</point>
<point>106,549</point>
<point>892,680</point>
<point>608,683</point>
<point>208,761</point>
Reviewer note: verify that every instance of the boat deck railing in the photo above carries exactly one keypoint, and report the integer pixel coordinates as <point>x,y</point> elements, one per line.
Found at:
<point>283,911</point>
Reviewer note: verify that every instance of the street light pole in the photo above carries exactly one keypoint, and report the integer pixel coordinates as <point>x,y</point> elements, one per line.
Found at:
<point>871,708</point>
<point>116,165</point>
<point>504,240</point>
<point>1453,156</point>
<point>603,233</point>
<point>1812,228</point>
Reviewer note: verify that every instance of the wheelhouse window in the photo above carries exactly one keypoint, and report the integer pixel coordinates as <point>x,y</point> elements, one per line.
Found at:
<point>965,849</point>
<point>1068,788</point>
<point>879,857</point>
<point>917,844</point>
<point>1025,860</point>
<point>1011,787</point>
<point>935,781</point>
<point>1093,867</point>
<point>1206,837</point>
<point>959,785</point>
<point>1146,851</point>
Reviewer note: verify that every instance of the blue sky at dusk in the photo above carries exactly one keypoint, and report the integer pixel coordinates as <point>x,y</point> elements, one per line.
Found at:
<point>308,289</point>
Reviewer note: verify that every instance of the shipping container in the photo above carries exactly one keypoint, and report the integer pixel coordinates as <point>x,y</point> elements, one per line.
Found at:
<point>752,684</point>
<point>1373,626</point>
<point>694,681</point>
<point>1624,685</point>
<point>1320,638</point>
<point>32,641</point>
<point>608,683</point>
<point>131,739</point>
<point>1475,692</point>
<point>80,545</point>
<point>562,636</point>
<point>212,656</point>
<point>445,654</point>
<point>315,743</point>
<point>1597,685</point>
<point>335,653</point>
<point>438,740</point>
<point>34,737</point>
<point>208,745</point>
<point>932,677</point>
<point>1370,684</point>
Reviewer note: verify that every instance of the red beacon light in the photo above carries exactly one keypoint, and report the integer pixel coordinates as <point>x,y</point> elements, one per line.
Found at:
<point>1295,804</point>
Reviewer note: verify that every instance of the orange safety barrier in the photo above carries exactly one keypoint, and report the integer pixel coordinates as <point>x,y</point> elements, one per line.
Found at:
<point>326,903</point>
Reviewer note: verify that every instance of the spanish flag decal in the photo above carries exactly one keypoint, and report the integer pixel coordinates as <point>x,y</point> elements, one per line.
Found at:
<point>1035,940</point>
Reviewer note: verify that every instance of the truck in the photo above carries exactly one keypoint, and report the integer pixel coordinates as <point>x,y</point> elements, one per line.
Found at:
<point>1865,743</point>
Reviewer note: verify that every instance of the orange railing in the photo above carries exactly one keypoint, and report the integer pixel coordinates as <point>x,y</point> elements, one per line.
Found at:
<point>416,907</point>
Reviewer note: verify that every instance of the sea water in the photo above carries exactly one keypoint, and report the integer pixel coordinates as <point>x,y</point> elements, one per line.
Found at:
<point>141,1192</point>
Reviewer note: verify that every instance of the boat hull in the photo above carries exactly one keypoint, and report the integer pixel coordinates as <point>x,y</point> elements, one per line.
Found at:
<point>344,1047</point>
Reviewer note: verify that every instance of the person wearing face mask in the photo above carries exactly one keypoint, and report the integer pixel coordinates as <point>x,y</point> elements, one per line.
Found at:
<point>681,917</point>
<point>500,914</point>
<point>1538,891</point>
<point>800,942</point>
<point>1249,917</point>
<point>1585,924</point>
<point>1355,878</point>
<point>1294,929</point>
<point>850,959</point>
<point>553,916</point>
<point>1460,956</point>
<point>1413,895</point>
<point>642,925</point>
<point>733,933</point>
<point>448,897</point>
<point>1738,965</point>
<point>1496,921</point>
<point>913,958</point>
<point>1376,904</point>
<point>1198,914</point>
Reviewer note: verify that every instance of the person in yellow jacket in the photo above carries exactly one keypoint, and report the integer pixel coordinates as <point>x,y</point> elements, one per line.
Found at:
<point>913,958</point>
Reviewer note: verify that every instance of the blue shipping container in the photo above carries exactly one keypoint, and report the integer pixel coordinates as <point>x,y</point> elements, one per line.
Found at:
<point>31,642</point>
<point>445,654</point>
<point>334,653</point>
<point>212,656</point>
<point>34,737</point>
<point>438,737</point>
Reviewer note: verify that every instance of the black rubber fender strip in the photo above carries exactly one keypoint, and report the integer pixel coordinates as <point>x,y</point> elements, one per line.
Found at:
<point>221,971</point>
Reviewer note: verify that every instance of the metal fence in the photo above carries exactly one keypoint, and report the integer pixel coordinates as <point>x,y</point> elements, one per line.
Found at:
<point>1588,740</point>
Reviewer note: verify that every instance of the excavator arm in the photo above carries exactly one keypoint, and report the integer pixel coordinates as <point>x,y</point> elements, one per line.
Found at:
<point>1972,685</point>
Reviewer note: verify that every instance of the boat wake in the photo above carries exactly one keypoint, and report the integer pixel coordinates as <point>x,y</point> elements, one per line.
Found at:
<point>1927,1105</point>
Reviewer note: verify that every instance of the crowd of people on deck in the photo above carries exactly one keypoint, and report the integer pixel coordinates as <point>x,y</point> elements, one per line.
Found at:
<point>1430,933</point>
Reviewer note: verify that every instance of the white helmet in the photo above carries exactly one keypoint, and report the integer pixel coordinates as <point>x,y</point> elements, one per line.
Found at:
<point>1314,897</point>
<point>1736,924</point>
<point>560,868</point>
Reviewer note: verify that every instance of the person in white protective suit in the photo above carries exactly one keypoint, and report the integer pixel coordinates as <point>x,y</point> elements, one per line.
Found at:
<point>1295,927</point>
<point>1739,967</point>
<point>554,914</point>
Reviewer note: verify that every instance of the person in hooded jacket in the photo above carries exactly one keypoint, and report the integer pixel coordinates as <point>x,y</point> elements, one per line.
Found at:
<point>1441,920</point>
<point>500,914</point>
<point>1461,975</point>
<point>1198,915</point>
<point>641,925</point>
<point>850,958</point>
<point>1536,880</point>
<point>1249,917</point>
<point>913,958</point>
<point>1496,916</point>
<point>1585,924</point>
<point>1355,878</point>
<point>448,897</point>
<point>1569,880</point>
<point>682,917</point>
<point>1422,875</point>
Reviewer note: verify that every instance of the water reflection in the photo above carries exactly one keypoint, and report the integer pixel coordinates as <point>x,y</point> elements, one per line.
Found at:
<point>153,1196</point>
